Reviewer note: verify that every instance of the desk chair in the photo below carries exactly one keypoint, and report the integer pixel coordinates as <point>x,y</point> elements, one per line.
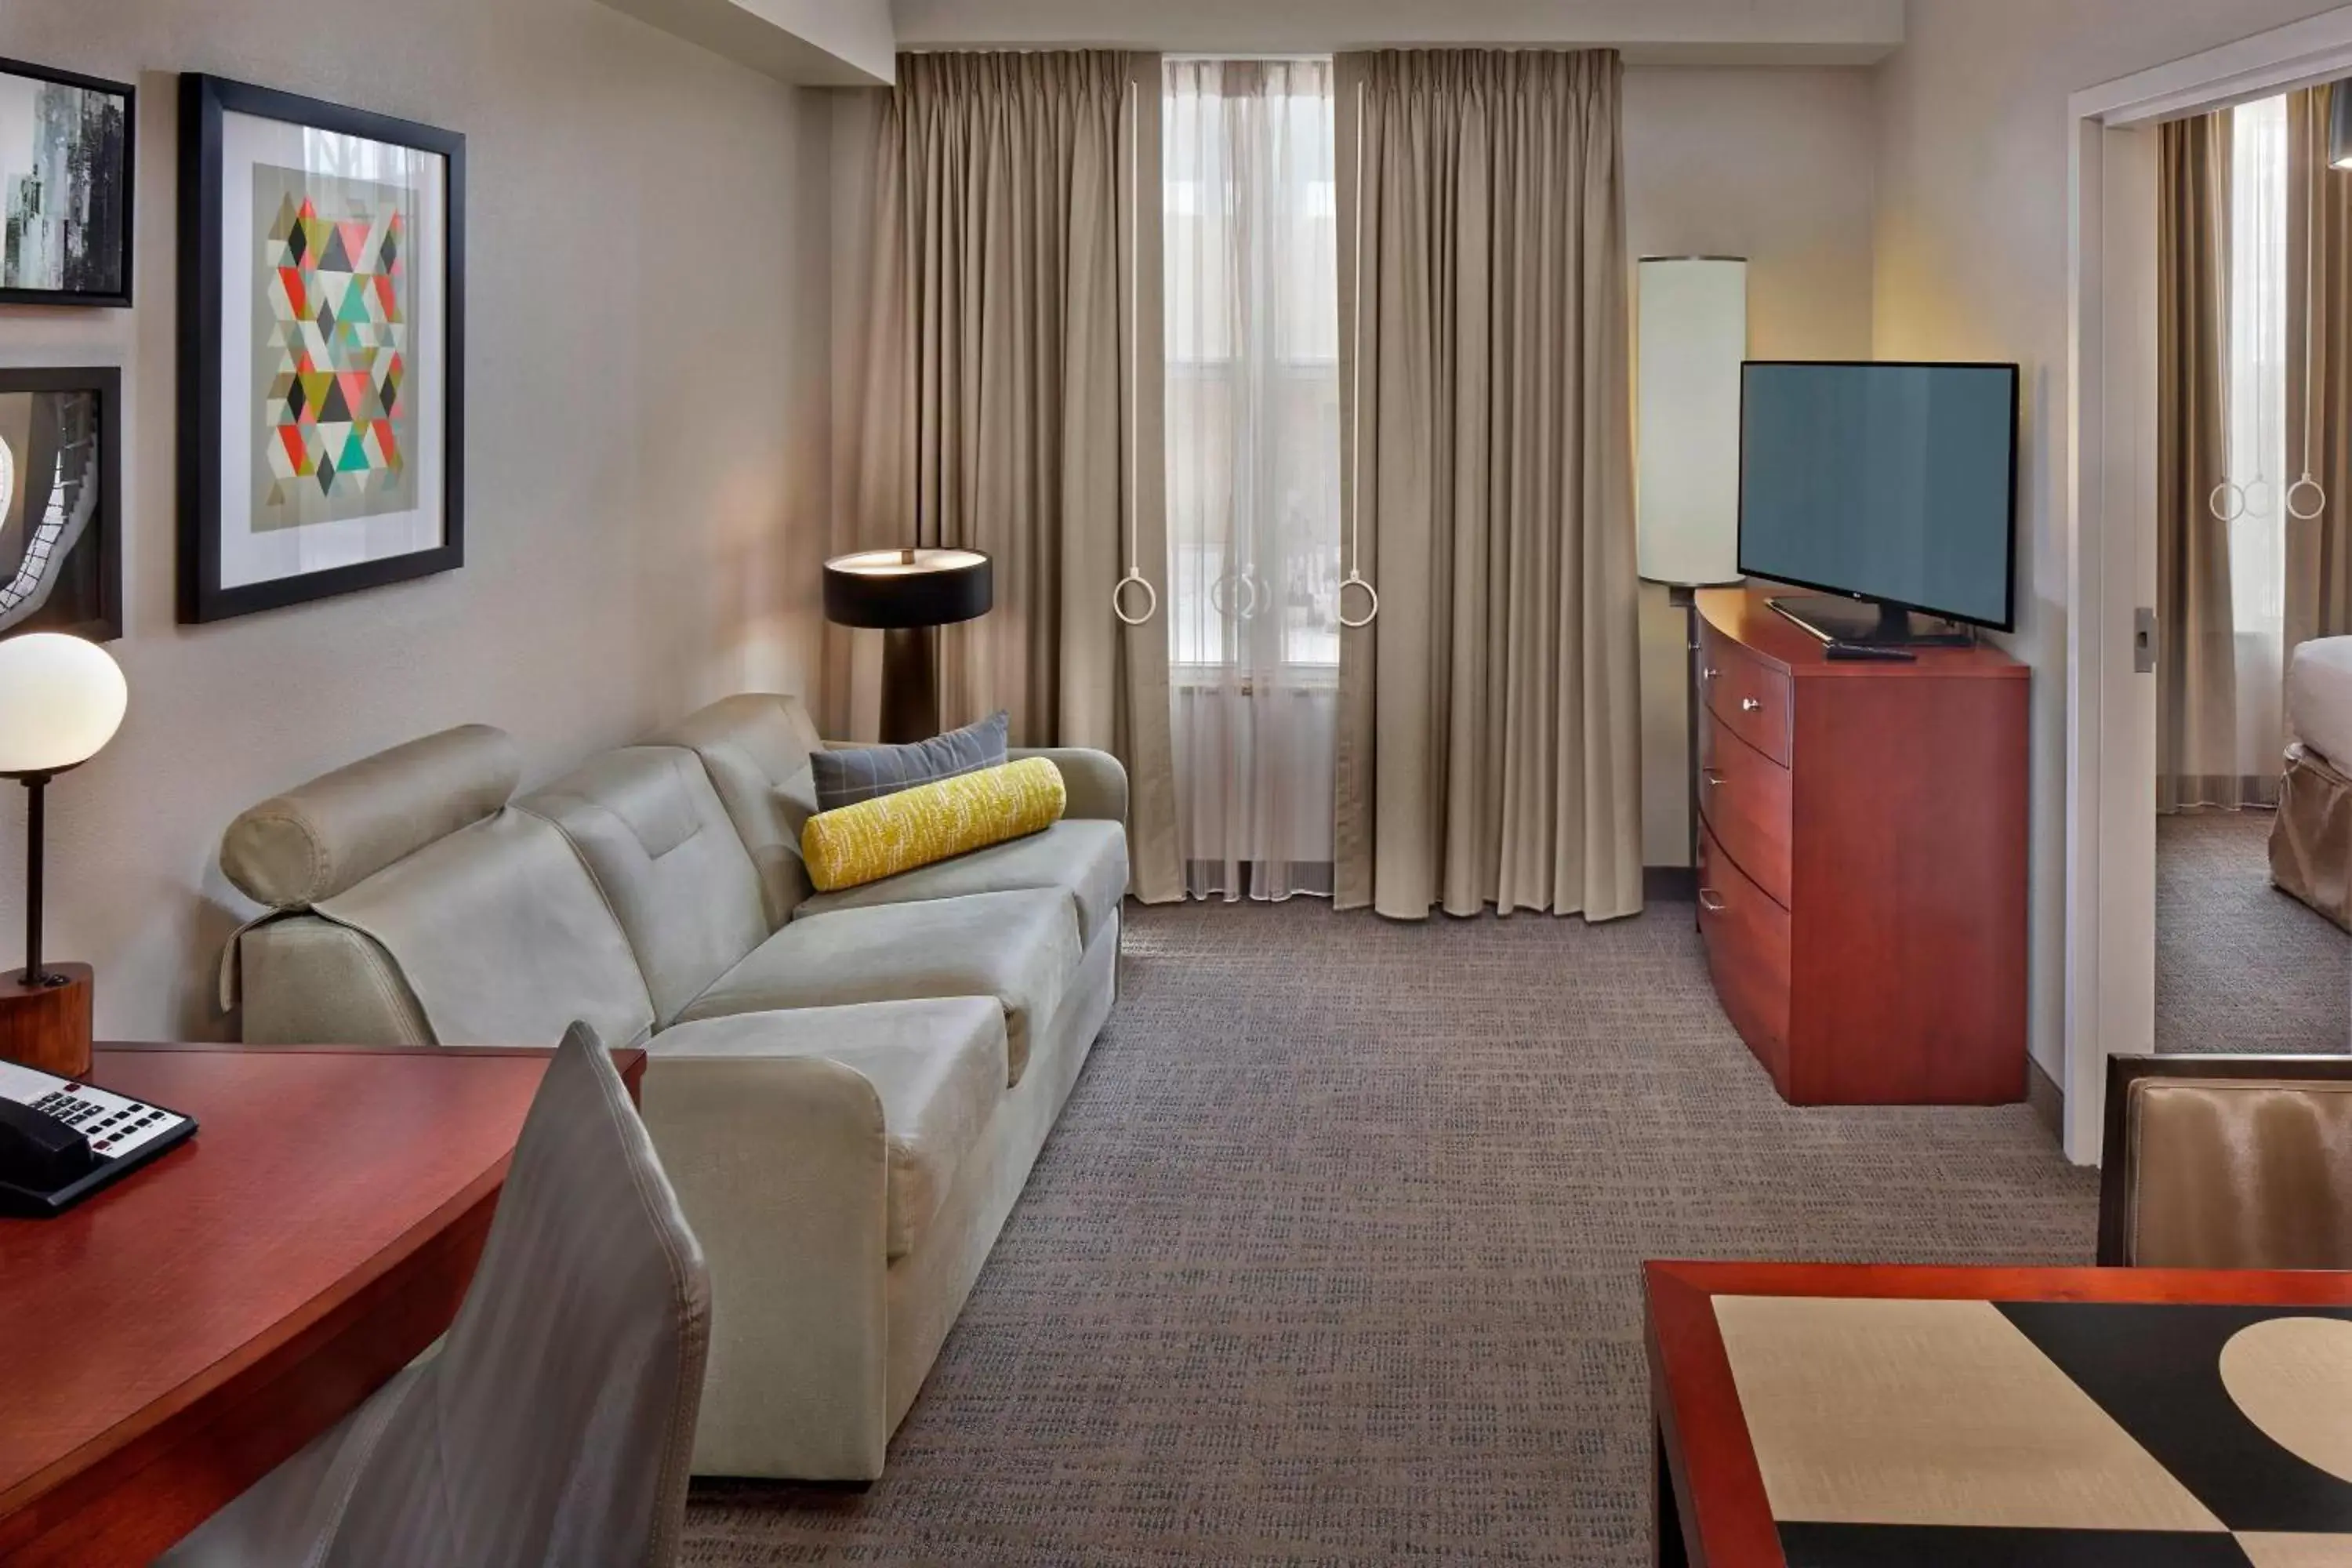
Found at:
<point>2226,1162</point>
<point>554,1423</point>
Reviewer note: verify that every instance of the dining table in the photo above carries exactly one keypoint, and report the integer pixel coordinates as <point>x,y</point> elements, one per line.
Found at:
<point>1881,1416</point>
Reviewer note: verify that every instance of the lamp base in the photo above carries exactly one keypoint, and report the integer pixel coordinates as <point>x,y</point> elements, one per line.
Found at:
<point>911,684</point>
<point>46,1025</point>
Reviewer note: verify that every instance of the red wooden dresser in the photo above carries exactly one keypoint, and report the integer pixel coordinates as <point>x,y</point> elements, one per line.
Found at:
<point>1862,861</point>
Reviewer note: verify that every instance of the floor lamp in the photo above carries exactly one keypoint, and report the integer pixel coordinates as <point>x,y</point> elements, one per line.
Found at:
<point>1690,336</point>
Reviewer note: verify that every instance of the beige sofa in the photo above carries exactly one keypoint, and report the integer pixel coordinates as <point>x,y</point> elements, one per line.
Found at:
<point>848,1090</point>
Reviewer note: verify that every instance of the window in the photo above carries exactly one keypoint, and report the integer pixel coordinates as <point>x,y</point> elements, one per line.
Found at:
<point>1250,218</point>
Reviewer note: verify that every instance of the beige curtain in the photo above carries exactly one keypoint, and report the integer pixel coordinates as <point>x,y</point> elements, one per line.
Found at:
<point>1489,724</point>
<point>998,412</point>
<point>2196,746</point>
<point>2319,373</point>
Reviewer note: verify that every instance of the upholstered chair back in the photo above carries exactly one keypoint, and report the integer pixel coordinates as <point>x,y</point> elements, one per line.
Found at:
<point>410,904</point>
<point>2228,1163</point>
<point>756,748</point>
<point>650,826</point>
<point>555,1422</point>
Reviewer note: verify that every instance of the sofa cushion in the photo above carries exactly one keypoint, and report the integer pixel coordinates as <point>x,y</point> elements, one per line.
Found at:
<point>330,835</point>
<point>648,823</point>
<point>499,933</point>
<point>938,1067</point>
<point>1021,948</point>
<point>851,774</point>
<point>1085,859</point>
<point>756,747</point>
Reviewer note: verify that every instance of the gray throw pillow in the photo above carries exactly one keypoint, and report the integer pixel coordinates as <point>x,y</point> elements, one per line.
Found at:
<point>866,772</point>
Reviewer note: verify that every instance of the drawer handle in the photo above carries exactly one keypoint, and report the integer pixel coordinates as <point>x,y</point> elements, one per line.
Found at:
<point>1711,776</point>
<point>1709,673</point>
<point>1711,901</point>
<point>1751,705</point>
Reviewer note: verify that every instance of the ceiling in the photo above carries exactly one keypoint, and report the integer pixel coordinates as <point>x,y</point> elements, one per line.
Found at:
<point>852,42</point>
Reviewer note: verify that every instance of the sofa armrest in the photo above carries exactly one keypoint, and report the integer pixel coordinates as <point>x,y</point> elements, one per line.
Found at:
<point>1097,781</point>
<point>781,1167</point>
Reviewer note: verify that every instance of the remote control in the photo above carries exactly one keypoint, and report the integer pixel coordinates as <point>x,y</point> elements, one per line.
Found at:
<point>1862,650</point>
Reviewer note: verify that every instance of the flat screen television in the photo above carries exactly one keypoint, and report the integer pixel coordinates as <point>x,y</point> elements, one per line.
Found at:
<point>1893,485</point>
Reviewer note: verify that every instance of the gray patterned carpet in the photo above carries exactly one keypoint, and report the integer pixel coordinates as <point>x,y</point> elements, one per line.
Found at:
<point>1333,1258</point>
<point>2240,966</point>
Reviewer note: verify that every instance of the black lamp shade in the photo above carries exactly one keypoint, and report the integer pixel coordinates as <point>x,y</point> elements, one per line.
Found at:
<point>2339,125</point>
<point>898,589</point>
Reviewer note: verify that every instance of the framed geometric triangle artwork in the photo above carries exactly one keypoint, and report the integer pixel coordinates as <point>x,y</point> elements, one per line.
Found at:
<point>323,365</point>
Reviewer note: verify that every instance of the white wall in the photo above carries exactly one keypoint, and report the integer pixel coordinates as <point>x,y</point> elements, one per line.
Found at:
<point>1971,264</point>
<point>647,228</point>
<point>1775,165</point>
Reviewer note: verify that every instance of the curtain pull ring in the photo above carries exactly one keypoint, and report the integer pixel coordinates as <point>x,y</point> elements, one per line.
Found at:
<point>1133,576</point>
<point>1135,579</point>
<point>2306,488</point>
<point>1355,577</point>
<point>1230,606</point>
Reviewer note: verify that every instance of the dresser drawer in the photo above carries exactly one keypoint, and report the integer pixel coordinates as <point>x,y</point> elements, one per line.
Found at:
<point>1747,937</point>
<point>1743,797</point>
<point>1748,695</point>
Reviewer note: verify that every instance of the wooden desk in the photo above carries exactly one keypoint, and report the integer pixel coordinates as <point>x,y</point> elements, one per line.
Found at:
<point>174,1338</point>
<point>1826,1415</point>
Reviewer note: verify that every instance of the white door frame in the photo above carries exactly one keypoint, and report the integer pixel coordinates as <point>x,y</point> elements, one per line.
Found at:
<point>2111,527</point>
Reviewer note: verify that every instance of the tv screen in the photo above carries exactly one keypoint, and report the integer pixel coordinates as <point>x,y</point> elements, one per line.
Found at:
<point>1893,482</point>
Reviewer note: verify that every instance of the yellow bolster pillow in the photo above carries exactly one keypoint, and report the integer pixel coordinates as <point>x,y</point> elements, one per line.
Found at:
<point>853,844</point>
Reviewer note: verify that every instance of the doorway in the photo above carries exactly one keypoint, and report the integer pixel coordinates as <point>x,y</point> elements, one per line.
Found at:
<point>2112,492</point>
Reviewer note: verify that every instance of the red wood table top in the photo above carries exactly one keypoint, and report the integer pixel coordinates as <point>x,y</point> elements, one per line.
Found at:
<point>1856,1408</point>
<point>167,1342</point>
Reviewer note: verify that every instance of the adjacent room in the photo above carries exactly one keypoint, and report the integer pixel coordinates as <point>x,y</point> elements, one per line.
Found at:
<point>1061,781</point>
<point>2254,685</point>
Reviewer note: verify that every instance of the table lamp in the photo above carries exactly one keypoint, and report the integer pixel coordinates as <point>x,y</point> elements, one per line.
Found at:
<point>907,594</point>
<point>61,699</point>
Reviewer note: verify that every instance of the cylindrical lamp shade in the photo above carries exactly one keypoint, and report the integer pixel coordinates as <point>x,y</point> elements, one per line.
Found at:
<point>897,589</point>
<point>61,699</point>
<point>1690,336</point>
<point>2339,124</point>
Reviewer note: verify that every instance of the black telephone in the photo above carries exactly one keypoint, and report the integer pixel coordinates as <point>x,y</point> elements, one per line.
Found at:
<point>62,1141</point>
<point>36,1150</point>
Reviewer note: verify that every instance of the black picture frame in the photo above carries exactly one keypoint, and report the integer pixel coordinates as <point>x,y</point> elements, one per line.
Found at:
<point>128,186</point>
<point>105,383</point>
<point>205,100</point>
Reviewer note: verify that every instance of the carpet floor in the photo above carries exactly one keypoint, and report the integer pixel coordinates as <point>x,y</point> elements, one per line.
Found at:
<point>1334,1257</point>
<point>2240,966</point>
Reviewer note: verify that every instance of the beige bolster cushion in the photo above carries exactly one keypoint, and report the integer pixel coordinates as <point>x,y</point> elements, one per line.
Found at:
<point>323,837</point>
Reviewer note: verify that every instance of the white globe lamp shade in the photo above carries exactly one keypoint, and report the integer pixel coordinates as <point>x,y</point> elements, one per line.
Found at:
<point>1690,336</point>
<point>61,699</point>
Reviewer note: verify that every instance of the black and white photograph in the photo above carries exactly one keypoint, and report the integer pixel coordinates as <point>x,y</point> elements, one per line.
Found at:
<point>65,187</point>
<point>60,547</point>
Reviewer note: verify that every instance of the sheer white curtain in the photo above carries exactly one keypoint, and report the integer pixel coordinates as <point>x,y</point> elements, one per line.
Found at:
<point>1253,452</point>
<point>2258,446</point>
